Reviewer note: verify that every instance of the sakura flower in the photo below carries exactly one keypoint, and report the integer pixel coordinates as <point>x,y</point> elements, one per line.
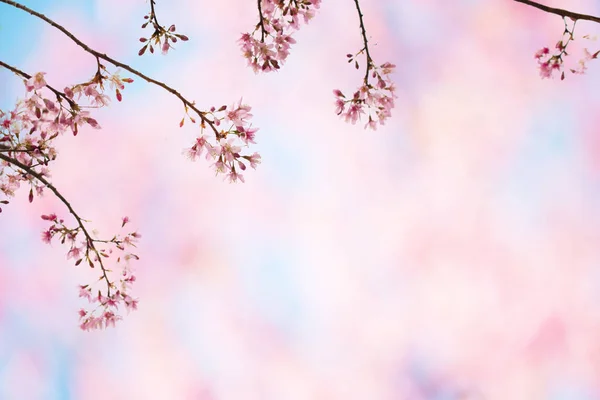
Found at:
<point>220,167</point>
<point>85,292</point>
<point>47,236</point>
<point>254,160</point>
<point>229,150</point>
<point>234,176</point>
<point>374,101</point>
<point>541,53</point>
<point>36,82</point>
<point>238,114</point>
<point>75,253</point>
<point>130,303</point>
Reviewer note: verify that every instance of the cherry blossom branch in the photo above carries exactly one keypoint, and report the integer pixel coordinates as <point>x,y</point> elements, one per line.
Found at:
<point>375,101</point>
<point>103,56</point>
<point>551,61</point>
<point>559,11</point>
<point>90,241</point>
<point>365,41</point>
<point>26,149</point>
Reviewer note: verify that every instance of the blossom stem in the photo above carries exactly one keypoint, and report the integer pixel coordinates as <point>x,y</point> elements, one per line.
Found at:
<point>154,18</point>
<point>90,241</point>
<point>365,41</point>
<point>114,62</point>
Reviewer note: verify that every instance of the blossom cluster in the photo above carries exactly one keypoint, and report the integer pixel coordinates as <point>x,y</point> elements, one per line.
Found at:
<point>84,248</point>
<point>375,101</point>
<point>224,146</point>
<point>161,37</point>
<point>551,62</point>
<point>548,63</point>
<point>268,46</point>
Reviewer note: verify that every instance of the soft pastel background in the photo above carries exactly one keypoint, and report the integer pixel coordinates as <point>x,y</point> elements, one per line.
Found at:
<point>453,254</point>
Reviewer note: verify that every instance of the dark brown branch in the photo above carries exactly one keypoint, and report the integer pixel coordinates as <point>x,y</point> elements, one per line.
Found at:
<point>365,41</point>
<point>153,16</point>
<point>15,70</point>
<point>90,241</point>
<point>261,22</point>
<point>114,62</point>
<point>559,11</point>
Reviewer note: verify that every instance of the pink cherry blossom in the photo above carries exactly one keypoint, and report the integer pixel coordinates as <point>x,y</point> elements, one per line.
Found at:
<point>74,253</point>
<point>47,236</point>
<point>36,82</point>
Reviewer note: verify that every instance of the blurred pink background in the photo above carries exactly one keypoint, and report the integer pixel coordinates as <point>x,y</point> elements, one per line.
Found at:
<point>452,254</point>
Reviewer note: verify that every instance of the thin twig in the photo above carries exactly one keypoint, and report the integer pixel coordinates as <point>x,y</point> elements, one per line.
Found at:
<point>365,41</point>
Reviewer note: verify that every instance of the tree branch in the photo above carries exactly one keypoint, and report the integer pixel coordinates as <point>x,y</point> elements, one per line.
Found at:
<point>114,62</point>
<point>559,11</point>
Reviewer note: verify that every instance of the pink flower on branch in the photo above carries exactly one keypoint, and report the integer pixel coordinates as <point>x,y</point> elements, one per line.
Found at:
<point>35,82</point>
<point>549,62</point>
<point>226,149</point>
<point>373,101</point>
<point>375,98</point>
